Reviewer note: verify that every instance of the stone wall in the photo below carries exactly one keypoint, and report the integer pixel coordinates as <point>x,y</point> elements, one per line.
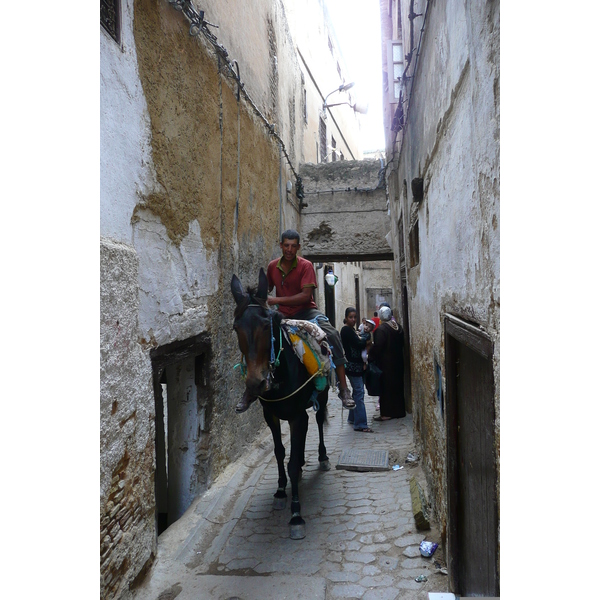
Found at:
<point>127,536</point>
<point>346,217</point>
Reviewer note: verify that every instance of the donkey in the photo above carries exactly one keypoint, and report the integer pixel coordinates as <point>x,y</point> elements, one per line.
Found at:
<point>275,374</point>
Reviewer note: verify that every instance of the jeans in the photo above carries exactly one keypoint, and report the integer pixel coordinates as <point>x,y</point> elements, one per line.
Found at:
<point>358,415</point>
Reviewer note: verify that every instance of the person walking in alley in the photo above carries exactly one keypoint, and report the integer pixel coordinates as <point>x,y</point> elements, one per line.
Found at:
<point>354,343</point>
<point>387,352</point>
<point>376,319</point>
<point>294,280</point>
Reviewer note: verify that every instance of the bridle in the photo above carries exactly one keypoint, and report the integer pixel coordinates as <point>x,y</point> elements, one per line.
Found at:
<point>274,363</point>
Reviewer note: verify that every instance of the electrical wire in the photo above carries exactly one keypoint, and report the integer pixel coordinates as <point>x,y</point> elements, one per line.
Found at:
<point>199,25</point>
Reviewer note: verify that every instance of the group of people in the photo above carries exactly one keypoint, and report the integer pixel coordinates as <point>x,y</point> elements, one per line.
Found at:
<point>383,346</point>
<point>380,343</point>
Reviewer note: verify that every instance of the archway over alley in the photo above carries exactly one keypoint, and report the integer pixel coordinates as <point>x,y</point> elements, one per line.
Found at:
<point>345,215</point>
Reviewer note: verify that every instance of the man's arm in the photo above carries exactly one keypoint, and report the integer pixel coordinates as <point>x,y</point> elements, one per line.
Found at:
<point>296,300</point>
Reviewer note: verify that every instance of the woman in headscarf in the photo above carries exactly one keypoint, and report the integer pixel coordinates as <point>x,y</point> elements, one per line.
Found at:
<point>387,352</point>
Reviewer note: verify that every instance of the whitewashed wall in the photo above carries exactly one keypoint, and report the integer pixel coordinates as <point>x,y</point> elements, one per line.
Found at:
<point>451,140</point>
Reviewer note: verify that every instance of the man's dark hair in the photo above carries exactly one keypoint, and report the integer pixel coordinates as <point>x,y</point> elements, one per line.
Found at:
<point>290,234</point>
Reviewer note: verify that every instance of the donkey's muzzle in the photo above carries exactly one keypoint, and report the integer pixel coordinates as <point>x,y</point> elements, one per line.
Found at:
<point>258,385</point>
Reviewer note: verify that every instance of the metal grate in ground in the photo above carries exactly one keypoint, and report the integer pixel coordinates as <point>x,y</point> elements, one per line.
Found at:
<point>353,459</point>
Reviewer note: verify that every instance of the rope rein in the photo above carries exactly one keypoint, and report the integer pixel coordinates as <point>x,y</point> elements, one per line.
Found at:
<point>294,392</point>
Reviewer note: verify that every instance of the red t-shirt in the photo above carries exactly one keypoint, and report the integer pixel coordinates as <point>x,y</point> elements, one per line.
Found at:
<point>301,275</point>
<point>377,321</point>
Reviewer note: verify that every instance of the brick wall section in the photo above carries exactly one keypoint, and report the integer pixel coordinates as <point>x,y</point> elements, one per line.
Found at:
<point>127,529</point>
<point>124,523</point>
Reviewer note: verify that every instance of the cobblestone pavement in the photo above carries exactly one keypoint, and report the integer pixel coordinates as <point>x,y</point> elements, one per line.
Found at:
<point>361,540</point>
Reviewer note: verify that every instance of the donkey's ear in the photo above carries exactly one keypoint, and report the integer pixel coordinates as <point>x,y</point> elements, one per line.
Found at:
<point>263,285</point>
<point>237,290</point>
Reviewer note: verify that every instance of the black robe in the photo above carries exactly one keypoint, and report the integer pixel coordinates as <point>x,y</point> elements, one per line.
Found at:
<point>387,353</point>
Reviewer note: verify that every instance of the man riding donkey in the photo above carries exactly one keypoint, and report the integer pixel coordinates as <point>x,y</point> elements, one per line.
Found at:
<point>294,280</point>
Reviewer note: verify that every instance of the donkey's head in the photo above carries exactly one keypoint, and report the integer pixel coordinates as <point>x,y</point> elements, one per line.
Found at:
<point>252,324</point>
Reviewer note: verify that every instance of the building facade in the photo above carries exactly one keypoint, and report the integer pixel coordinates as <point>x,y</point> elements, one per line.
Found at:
<point>441,109</point>
<point>203,129</point>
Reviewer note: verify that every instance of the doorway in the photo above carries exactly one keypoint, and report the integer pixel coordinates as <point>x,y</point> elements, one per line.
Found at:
<point>473,514</point>
<point>329,292</point>
<point>406,327</point>
<point>359,316</point>
<point>181,403</point>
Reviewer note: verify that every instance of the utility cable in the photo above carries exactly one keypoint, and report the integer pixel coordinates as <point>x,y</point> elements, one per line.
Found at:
<point>199,25</point>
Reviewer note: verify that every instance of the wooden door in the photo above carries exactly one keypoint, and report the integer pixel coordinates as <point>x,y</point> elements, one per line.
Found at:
<point>406,327</point>
<point>472,499</point>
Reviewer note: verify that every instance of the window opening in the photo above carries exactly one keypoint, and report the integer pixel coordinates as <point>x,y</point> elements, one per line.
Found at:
<point>414,245</point>
<point>395,69</point>
<point>323,139</point>
<point>110,18</point>
<point>416,187</point>
<point>304,110</point>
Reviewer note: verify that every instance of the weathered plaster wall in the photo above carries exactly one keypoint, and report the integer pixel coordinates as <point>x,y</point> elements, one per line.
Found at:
<point>257,36</point>
<point>127,530</point>
<point>192,190</point>
<point>217,213</point>
<point>126,167</point>
<point>451,141</point>
<point>126,425</point>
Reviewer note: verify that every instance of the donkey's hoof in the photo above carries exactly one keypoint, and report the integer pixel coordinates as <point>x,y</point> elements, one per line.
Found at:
<point>325,465</point>
<point>279,503</point>
<point>298,531</point>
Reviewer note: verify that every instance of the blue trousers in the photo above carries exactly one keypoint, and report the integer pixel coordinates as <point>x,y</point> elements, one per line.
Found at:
<point>358,415</point>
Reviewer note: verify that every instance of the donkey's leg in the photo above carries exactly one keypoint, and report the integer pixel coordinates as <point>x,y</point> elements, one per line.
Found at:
<point>321,416</point>
<point>298,428</point>
<point>280,497</point>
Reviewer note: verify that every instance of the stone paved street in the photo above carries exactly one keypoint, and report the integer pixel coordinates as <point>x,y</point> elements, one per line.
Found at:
<point>361,539</point>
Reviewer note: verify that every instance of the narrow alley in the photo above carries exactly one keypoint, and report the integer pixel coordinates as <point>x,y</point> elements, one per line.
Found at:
<point>361,537</point>
<point>371,131</point>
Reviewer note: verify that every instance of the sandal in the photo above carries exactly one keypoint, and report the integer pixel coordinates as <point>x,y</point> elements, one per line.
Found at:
<point>379,418</point>
<point>365,430</point>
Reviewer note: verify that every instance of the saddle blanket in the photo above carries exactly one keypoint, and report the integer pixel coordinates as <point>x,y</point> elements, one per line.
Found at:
<point>310,344</point>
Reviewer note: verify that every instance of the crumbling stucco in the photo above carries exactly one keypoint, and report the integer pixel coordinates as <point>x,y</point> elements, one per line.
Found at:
<point>450,140</point>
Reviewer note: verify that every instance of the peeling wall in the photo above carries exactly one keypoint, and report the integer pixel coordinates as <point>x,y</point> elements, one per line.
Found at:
<point>192,191</point>
<point>451,141</point>
<point>127,536</point>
